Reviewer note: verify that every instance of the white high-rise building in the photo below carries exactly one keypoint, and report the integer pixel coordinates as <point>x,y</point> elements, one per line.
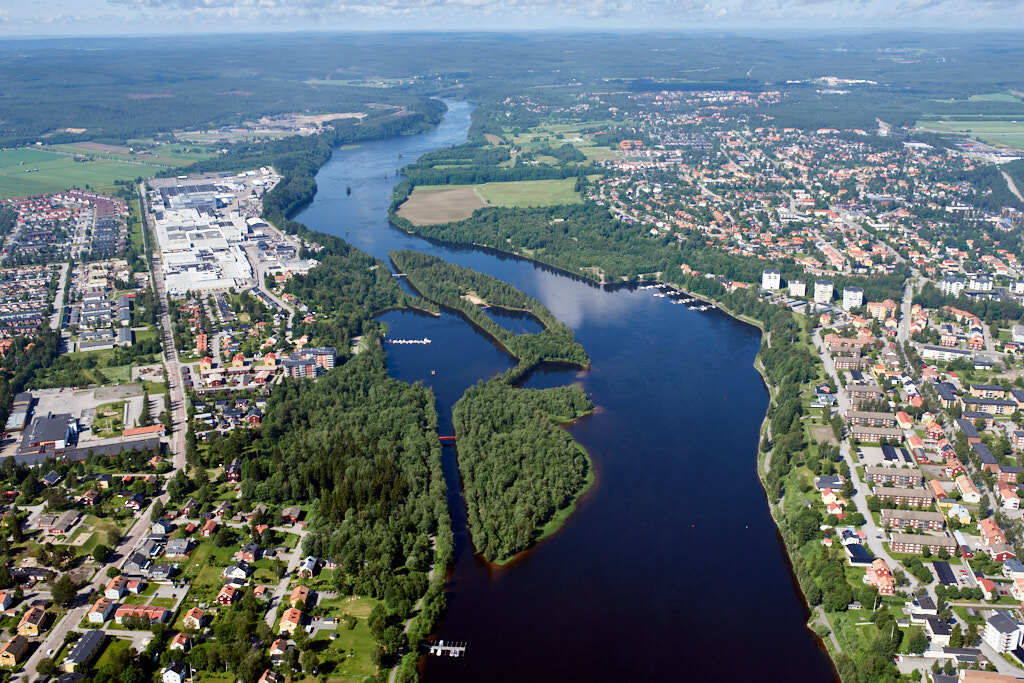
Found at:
<point>797,288</point>
<point>823,292</point>
<point>951,286</point>
<point>771,280</point>
<point>852,297</point>
<point>1002,632</point>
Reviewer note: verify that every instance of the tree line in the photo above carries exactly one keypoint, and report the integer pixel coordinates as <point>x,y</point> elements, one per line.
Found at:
<point>448,285</point>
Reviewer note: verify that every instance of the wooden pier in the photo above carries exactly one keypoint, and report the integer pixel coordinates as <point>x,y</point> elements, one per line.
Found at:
<point>442,649</point>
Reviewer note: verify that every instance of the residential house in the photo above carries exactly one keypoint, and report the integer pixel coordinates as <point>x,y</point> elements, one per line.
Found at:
<point>1008,498</point>
<point>182,642</point>
<point>116,588</point>
<point>239,571</point>
<point>138,564</point>
<point>968,491</point>
<point>278,650</point>
<point>938,631</point>
<point>194,619</point>
<point>991,534</point>
<point>879,576</point>
<point>162,527</point>
<point>228,594</point>
<point>290,620</point>
<point>178,547</point>
<point>14,651</point>
<point>31,624</point>
<point>175,672</point>
<point>85,651</point>
<point>300,594</point>
<point>309,568</point>
<point>233,471</point>
<point>101,610</point>
<point>291,515</point>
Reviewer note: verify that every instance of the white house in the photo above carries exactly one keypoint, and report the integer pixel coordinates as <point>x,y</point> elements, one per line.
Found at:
<point>175,672</point>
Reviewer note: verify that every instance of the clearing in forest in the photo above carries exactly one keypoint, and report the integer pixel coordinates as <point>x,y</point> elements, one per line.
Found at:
<point>432,204</point>
<point>440,204</point>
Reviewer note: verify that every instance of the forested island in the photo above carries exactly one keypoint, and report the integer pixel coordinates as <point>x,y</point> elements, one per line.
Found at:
<point>521,472</point>
<point>466,290</point>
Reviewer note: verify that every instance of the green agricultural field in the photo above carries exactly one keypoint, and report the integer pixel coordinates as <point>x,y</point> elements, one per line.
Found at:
<point>1008,132</point>
<point>30,171</point>
<point>525,193</point>
<point>170,156</point>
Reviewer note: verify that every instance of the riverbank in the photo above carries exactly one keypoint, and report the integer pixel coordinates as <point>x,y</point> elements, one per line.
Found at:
<point>763,459</point>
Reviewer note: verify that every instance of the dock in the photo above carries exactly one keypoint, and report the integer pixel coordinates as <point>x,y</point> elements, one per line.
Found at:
<point>442,649</point>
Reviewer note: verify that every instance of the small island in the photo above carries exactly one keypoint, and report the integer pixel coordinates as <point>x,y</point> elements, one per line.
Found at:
<point>522,473</point>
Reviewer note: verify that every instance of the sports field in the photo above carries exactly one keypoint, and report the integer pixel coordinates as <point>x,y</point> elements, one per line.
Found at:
<point>431,204</point>
<point>1009,133</point>
<point>30,171</point>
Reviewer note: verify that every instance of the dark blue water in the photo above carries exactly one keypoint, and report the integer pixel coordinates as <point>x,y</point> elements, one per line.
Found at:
<point>519,322</point>
<point>671,568</point>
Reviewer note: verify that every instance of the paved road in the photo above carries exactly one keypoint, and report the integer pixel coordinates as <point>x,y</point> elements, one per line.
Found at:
<point>178,413</point>
<point>1012,185</point>
<point>58,305</point>
<point>282,586</point>
<point>873,542</point>
<point>903,331</point>
<point>142,524</point>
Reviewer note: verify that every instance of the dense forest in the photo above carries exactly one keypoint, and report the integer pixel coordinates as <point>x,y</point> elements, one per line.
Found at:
<point>450,286</point>
<point>520,470</point>
<point>22,362</point>
<point>345,291</point>
<point>362,449</point>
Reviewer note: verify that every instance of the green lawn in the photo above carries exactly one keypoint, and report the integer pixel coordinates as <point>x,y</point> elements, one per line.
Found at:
<point>525,193</point>
<point>349,656</point>
<point>32,171</point>
<point>109,420</point>
<point>113,648</point>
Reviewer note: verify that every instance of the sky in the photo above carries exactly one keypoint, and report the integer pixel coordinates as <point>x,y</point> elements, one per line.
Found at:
<point>142,17</point>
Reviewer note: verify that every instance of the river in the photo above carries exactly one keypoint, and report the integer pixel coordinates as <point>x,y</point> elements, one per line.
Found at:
<point>671,568</point>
